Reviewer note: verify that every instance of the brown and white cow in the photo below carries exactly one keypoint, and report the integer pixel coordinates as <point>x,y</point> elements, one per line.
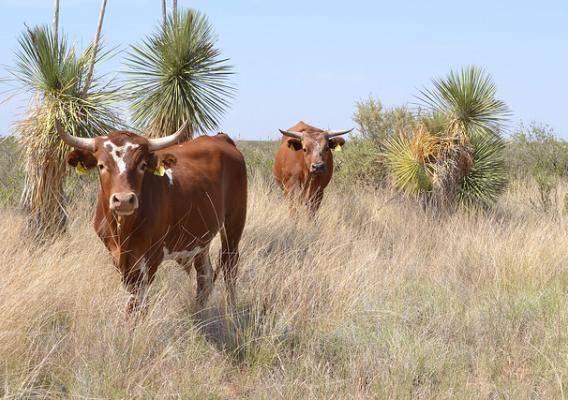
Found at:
<point>304,163</point>
<point>143,218</point>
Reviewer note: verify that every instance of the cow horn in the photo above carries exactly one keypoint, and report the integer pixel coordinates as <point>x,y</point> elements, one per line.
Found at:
<point>73,141</point>
<point>292,134</point>
<point>331,134</point>
<point>160,143</point>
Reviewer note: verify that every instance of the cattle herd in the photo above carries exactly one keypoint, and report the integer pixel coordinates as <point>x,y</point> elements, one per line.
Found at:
<point>162,200</point>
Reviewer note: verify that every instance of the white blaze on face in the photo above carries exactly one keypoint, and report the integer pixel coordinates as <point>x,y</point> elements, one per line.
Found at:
<point>118,153</point>
<point>318,148</point>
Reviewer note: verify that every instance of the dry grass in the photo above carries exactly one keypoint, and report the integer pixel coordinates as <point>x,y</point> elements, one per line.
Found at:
<point>372,299</point>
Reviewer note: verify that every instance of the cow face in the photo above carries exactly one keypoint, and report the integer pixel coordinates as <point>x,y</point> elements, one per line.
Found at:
<point>316,148</point>
<point>123,159</point>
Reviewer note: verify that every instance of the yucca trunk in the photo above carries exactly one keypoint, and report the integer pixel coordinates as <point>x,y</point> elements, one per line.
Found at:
<point>164,13</point>
<point>42,197</point>
<point>453,163</point>
<point>56,22</point>
<point>89,79</point>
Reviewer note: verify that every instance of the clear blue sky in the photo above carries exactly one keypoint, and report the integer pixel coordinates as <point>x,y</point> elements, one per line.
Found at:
<point>313,60</point>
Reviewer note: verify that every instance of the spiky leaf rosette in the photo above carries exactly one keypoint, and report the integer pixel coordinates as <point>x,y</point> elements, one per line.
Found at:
<point>177,74</point>
<point>409,161</point>
<point>468,100</point>
<point>488,176</point>
<point>55,75</point>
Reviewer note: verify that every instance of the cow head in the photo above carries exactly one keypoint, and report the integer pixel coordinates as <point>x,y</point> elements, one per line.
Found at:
<point>123,160</point>
<point>316,146</point>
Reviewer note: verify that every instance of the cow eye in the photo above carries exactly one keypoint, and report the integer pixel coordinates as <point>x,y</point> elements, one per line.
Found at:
<point>305,150</point>
<point>101,167</point>
<point>143,165</point>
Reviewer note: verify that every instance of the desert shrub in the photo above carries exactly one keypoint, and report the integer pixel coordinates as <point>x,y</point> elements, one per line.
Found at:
<point>535,153</point>
<point>377,123</point>
<point>259,157</point>
<point>535,150</point>
<point>11,175</point>
<point>358,162</point>
<point>362,162</point>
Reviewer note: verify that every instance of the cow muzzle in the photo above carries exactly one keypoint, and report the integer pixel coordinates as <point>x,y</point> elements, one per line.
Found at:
<point>317,168</point>
<point>123,203</point>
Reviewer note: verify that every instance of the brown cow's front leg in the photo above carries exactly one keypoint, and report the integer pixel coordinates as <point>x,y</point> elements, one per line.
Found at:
<point>314,201</point>
<point>137,281</point>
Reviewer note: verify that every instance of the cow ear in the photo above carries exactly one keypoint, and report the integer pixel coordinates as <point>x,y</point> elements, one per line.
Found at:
<point>86,158</point>
<point>168,160</point>
<point>336,141</point>
<point>294,144</point>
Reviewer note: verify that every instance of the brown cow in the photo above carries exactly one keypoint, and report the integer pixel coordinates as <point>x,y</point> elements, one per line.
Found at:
<point>144,218</point>
<point>304,163</point>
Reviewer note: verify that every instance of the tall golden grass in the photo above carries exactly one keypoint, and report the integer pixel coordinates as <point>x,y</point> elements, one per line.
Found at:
<point>371,299</point>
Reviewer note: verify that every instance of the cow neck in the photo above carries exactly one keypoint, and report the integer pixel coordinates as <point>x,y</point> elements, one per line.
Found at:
<point>121,228</point>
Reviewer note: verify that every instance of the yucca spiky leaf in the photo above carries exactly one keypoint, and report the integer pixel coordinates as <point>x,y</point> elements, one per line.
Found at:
<point>54,74</point>
<point>488,176</point>
<point>407,161</point>
<point>467,98</point>
<point>177,74</point>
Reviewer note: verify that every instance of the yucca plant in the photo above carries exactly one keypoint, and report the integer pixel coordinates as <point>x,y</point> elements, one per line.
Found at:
<point>462,130</point>
<point>467,100</point>
<point>52,71</point>
<point>487,176</point>
<point>410,160</point>
<point>177,74</point>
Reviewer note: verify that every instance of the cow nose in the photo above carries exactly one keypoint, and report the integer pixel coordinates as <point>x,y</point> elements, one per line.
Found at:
<point>318,167</point>
<point>124,202</point>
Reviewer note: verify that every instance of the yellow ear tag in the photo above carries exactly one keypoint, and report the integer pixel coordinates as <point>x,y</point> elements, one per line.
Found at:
<point>160,171</point>
<point>79,169</point>
<point>338,147</point>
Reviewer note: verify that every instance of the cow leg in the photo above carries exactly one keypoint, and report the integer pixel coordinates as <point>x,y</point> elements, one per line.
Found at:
<point>137,281</point>
<point>315,201</point>
<point>229,259</point>
<point>204,277</point>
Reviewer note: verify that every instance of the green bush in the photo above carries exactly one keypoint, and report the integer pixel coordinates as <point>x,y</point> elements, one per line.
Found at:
<point>534,152</point>
<point>259,157</point>
<point>359,163</point>
<point>377,123</point>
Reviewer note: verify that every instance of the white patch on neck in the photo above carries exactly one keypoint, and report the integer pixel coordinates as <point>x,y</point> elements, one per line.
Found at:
<point>118,153</point>
<point>170,175</point>
<point>181,254</point>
